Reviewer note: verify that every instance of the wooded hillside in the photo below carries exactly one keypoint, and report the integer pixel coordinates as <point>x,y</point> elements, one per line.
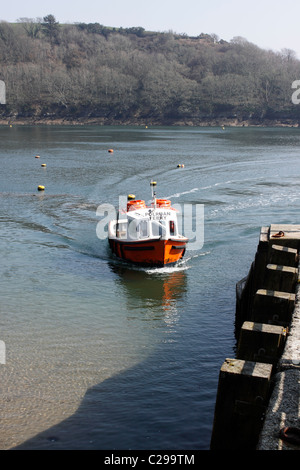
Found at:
<point>114,75</point>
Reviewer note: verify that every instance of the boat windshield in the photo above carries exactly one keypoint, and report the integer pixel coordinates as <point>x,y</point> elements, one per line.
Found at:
<point>158,228</point>
<point>141,229</point>
<point>138,229</point>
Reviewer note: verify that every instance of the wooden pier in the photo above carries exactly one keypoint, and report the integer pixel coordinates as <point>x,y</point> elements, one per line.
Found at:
<point>268,350</point>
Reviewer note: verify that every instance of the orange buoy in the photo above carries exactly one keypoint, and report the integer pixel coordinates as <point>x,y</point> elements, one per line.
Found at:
<point>135,204</point>
<point>163,202</point>
<point>37,156</point>
<point>110,151</point>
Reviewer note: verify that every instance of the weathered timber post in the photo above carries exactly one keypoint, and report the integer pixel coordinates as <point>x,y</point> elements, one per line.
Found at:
<point>261,342</point>
<point>280,278</point>
<point>242,397</point>
<point>273,307</point>
<point>283,255</point>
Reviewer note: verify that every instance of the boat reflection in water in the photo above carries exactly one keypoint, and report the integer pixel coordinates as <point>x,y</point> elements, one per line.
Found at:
<point>152,294</point>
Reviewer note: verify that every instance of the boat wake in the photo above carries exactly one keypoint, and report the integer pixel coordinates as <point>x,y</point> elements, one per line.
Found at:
<point>183,193</point>
<point>182,265</point>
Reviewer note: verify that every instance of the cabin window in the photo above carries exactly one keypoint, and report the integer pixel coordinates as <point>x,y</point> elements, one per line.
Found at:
<point>159,228</point>
<point>155,229</point>
<point>138,229</point>
<point>133,229</point>
<point>143,229</point>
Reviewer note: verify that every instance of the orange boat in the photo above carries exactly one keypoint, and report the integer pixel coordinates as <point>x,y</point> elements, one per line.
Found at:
<point>147,235</point>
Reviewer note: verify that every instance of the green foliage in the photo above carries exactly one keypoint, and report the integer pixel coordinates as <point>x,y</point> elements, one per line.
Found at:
<point>90,70</point>
<point>50,28</point>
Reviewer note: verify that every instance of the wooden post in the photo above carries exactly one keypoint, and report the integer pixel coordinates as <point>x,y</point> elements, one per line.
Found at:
<point>280,278</point>
<point>273,307</point>
<point>243,393</point>
<point>283,255</point>
<point>261,342</point>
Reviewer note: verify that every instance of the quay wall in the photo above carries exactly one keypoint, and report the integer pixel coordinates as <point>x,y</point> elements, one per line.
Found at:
<point>258,397</point>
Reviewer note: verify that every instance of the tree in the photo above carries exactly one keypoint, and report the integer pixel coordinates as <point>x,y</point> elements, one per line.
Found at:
<point>51,28</point>
<point>78,71</point>
<point>32,26</point>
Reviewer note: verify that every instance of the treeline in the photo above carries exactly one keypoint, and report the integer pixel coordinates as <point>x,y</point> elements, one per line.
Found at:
<point>89,71</point>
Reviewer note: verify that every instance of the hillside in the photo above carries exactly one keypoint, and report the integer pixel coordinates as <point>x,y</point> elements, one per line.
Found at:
<point>91,73</point>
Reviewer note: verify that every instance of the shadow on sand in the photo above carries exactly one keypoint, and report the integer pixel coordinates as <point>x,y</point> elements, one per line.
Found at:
<point>118,414</point>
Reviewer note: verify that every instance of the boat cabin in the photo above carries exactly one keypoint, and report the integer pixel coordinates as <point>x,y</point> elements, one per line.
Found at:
<point>147,223</point>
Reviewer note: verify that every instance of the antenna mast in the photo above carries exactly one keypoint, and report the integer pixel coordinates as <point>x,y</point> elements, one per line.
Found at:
<point>153,184</point>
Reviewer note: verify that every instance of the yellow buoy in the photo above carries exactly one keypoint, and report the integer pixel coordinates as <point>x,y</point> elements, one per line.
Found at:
<point>41,188</point>
<point>43,164</point>
<point>130,197</point>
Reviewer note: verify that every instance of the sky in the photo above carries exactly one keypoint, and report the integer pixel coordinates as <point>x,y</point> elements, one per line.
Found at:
<point>270,24</point>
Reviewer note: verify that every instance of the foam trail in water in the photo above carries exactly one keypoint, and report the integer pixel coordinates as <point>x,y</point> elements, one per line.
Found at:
<point>182,265</point>
<point>184,192</point>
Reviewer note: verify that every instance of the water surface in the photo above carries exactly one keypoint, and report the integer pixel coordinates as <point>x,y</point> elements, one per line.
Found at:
<point>102,355</point>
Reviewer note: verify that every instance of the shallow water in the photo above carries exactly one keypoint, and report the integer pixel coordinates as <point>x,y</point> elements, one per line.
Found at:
<point>102,355</point>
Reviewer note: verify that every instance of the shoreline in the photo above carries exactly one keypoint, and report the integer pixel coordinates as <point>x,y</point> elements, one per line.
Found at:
<point>217,122</point>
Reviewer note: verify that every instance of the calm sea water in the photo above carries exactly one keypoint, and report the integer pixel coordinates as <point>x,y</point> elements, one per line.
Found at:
<point>102,355</point>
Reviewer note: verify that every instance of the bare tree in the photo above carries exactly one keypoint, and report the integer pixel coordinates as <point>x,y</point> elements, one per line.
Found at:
<point>32,26</point>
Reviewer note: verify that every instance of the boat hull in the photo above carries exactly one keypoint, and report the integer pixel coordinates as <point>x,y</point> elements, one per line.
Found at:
<point>150,252</point>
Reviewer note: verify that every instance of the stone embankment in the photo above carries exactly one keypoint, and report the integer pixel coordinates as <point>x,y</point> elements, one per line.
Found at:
<point>257,405</point>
